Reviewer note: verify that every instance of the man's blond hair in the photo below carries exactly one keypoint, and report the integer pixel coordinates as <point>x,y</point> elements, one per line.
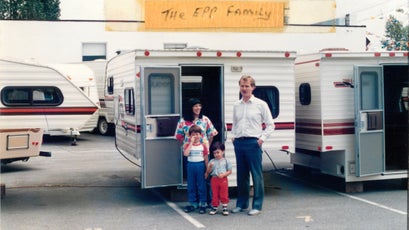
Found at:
<point>247,78</point>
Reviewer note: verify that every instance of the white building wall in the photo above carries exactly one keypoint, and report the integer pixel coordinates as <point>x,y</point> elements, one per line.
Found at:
<point>61,42</point>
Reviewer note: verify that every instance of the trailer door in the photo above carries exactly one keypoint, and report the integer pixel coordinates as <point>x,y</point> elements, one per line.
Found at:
<point>369,120</point>
<point>160,103</point>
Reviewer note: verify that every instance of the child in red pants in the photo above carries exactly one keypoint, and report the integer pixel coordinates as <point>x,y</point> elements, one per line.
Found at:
<point>218,169</point>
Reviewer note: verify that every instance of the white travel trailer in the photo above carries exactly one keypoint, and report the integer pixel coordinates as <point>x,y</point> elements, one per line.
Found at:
<point>105,124</point>
<point>20,144</point>
<point>84,78</point>
<point>151,86</point>
<point>352,115</point>
<point>36,96</point>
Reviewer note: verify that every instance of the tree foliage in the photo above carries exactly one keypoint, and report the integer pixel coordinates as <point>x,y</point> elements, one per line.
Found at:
<point>397,35</point>
<point>29,9</point>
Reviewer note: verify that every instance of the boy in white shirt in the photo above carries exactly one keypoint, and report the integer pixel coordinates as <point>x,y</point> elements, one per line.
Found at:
<point>197,159</point>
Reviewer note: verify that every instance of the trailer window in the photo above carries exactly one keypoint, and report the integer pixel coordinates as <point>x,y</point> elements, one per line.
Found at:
<point>31,96</point>
<point>129,101</point>
<point>161,93</point>
<point>304,93</point>
<point>269,94</point>
<point>369,90</point>
<point>110,85</point>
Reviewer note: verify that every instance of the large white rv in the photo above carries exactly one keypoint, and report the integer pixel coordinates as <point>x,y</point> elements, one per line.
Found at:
<point>105,124</point>
<point>36,96</point>
<point>84,78</point>
<point>352,115</point>
<point>151,86</point>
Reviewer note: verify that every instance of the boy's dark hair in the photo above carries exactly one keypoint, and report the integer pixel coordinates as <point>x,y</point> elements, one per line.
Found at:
<point>217,145</point>
<point>195,129</point>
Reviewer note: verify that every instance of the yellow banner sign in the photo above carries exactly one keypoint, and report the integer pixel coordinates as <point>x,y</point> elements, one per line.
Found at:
<point>185,14</point>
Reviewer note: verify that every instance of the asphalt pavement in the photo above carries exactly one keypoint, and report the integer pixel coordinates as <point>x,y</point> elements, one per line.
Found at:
<point>92,186</point>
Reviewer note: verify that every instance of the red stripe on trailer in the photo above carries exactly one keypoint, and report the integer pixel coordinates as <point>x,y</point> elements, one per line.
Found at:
<point>278,126</point>
<point>306,62</point>
<point>129,126</point>
<point>47,111</point>
<point>326,129</point>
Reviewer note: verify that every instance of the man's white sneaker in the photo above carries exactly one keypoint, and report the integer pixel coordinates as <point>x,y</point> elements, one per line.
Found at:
<point>254,212</point>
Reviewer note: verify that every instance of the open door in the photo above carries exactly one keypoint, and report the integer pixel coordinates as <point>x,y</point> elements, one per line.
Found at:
<point>160,103</point>
<point>369,120</point>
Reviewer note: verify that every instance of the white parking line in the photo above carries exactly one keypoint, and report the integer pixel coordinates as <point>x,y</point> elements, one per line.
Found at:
<point>188,217</point>
<point>372,203</point>
<point>350,196</point>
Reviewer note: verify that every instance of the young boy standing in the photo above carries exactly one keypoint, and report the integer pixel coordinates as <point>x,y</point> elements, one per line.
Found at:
<point>197,159</point>
<point>219,168</point>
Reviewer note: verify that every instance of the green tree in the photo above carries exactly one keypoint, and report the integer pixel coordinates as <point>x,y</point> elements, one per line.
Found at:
<point>29,9</point>
<point>397,35</point>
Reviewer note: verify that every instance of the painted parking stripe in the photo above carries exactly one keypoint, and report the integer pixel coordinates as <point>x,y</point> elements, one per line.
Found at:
<point>372,203</point>
<point>188,217</point>
<point>349,196</point>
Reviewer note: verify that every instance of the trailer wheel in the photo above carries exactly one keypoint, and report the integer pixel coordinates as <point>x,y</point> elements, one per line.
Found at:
<point>104,128</point>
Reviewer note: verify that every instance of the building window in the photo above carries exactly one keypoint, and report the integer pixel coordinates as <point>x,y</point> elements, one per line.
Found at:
<point>31,96</point>
<point>93,51</point>
<point>304,93</point>
<point>269,94</point>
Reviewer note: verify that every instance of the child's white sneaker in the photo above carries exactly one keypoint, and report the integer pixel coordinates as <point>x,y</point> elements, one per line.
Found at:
<point>225,211</point>
<point>213,211</point>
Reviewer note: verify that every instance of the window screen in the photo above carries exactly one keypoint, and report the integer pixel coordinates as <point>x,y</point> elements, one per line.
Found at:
<point>161,93</point>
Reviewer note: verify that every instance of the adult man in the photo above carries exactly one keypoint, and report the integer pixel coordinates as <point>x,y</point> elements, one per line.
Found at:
<point>249,114</point>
